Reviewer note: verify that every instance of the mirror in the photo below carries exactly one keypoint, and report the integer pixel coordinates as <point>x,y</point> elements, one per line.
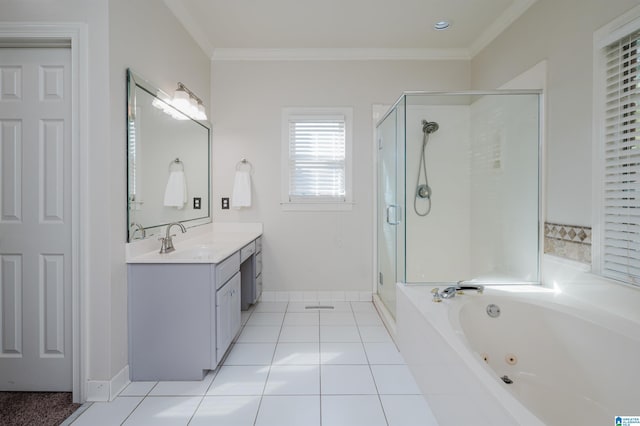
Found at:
<point>168,162</point>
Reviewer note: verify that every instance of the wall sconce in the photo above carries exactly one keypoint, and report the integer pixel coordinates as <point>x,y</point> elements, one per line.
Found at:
<point>187,101</point>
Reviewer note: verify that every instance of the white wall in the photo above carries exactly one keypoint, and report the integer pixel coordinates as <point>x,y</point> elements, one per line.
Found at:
<point>437,245</point>
<point>146,37</point>
<point>504,188</point>
<point>560,31</point>
<point>309,251</point>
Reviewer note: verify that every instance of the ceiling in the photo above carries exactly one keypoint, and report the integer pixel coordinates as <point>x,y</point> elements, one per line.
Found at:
<point>224,26</point>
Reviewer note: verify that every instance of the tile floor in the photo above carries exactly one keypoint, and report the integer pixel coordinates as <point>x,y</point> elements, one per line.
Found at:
<point>290,366</point>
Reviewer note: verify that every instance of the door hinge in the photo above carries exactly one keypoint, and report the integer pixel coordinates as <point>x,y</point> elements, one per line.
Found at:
<point>380,278</point>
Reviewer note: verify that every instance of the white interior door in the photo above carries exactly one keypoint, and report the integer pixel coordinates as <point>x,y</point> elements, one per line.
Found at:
<point>35,219</point>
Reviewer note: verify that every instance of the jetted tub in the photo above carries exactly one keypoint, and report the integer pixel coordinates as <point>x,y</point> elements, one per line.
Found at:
<point>568,365</point>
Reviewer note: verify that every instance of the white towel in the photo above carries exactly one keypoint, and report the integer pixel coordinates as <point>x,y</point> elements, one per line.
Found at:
<point>175,195</point>
<point>241,196</point>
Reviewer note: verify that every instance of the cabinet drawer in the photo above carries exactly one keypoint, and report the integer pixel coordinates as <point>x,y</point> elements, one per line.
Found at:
<point>227,269</point>
<point>258,244</point>
<point>247,251</point>
<point>258,264</point>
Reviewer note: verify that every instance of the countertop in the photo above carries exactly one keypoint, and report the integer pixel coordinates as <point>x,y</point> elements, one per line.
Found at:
<point>211,244</point>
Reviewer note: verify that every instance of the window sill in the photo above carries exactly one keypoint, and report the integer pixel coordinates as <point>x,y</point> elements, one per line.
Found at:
<point>317,206</point>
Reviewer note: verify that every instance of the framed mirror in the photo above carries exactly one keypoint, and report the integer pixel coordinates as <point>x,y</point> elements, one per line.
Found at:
<point>168,162</point>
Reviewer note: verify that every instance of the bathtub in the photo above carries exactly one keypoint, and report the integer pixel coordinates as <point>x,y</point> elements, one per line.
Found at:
<point>568,364</point>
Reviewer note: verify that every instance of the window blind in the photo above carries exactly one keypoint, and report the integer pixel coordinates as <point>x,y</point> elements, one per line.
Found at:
<point>317,159</point>
<point>621,227</point>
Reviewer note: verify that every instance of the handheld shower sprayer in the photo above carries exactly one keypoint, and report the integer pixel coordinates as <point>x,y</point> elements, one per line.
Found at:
<point>423,190</point>
<point>429,127</point>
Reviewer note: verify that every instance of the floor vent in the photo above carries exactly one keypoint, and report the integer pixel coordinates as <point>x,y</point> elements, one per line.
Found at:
<point>319,307</point>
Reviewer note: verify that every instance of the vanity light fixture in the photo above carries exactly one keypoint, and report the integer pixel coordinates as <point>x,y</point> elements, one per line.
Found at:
<point>442,25</point>
<point>187,101</point>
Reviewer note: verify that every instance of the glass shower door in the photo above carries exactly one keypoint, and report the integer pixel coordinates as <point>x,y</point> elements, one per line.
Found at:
<point>388,211</point>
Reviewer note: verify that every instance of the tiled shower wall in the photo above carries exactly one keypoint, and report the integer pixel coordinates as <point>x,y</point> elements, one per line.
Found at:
<point>568,241</point>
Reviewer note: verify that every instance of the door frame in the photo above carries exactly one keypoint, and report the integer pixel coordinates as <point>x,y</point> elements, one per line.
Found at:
<point>77,35</point>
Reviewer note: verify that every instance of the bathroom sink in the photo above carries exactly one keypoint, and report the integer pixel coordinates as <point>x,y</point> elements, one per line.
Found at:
<point>200,252</point>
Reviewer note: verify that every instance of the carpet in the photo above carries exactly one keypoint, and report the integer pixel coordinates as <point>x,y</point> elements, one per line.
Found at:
<point>35,408</point>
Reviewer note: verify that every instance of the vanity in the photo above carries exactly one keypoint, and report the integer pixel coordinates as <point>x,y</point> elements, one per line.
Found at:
<point>185,306</point>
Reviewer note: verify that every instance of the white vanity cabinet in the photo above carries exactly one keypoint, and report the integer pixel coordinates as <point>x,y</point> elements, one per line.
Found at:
<point>182,317</point>
<point>228,316</point>
<point>251,267</point>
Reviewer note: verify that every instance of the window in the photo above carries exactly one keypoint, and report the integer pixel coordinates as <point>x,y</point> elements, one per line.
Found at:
<point>620,187</point>
<point>316,159</point>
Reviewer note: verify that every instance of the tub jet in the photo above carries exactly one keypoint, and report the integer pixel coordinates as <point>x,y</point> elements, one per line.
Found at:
<point>506,379</point>
<point>493,310</point>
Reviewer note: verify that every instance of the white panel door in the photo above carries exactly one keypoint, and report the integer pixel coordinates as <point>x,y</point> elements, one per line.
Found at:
<point>35,220</point>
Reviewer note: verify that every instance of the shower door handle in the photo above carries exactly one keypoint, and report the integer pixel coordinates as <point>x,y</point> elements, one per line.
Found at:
<point>396,209</point>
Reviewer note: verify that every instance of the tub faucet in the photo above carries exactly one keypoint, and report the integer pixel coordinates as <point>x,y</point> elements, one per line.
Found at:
<point>450,292</point>
<point>167,241</point>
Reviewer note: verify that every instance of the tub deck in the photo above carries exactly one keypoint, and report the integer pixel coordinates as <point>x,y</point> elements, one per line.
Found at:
<point>458,389</point>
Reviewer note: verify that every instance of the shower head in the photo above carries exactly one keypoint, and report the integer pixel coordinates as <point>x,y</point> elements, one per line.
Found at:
<point>429,127</point>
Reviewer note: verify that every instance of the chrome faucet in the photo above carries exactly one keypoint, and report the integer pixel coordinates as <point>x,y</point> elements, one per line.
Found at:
<point>167,241</point>
<point>140,228</point>
<point>450,292</point>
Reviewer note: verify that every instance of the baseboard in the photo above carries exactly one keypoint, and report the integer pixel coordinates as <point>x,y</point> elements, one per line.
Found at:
<point>316,296</point>
<point>108,390</point>
<point>386,316</point>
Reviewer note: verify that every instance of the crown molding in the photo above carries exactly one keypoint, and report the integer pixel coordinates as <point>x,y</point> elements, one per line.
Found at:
<point>503,21</point>
<point>338,54</point>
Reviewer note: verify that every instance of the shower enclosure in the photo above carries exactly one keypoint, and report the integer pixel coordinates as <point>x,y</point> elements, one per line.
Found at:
<point>458,190</point>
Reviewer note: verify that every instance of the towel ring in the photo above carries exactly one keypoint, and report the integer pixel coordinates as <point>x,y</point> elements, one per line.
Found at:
<point>244,162</point>
<point>178,162</point>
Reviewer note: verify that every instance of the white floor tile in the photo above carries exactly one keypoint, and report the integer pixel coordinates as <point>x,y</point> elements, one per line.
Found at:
<point>256,334</point>
<point>297,354</point>
<point>339,333</point>
<point>301,318</point>
<point>227,411</point>
<point>342,353</point>
<point>265,318</point>
<point>347,379</point>
<point>108,413</point>
<point>339,306</point>
<point>271,307</point>
<point>294,380</point>
<point>164,410</point>
<point>178,388</point>
<point>383,353</point>
<point>367,318</point>
<point>407,410</point>
<point>363,307</point>
<point>304,333</point>
<point>374,333</point>
<point>337,318</point>
<point>301,307</point>
<point>251,354</point>
<point>394,380</point>
<point>138,389</point>
<point>289,411</point>
<point>239,380</point>
<point>352,410</point>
